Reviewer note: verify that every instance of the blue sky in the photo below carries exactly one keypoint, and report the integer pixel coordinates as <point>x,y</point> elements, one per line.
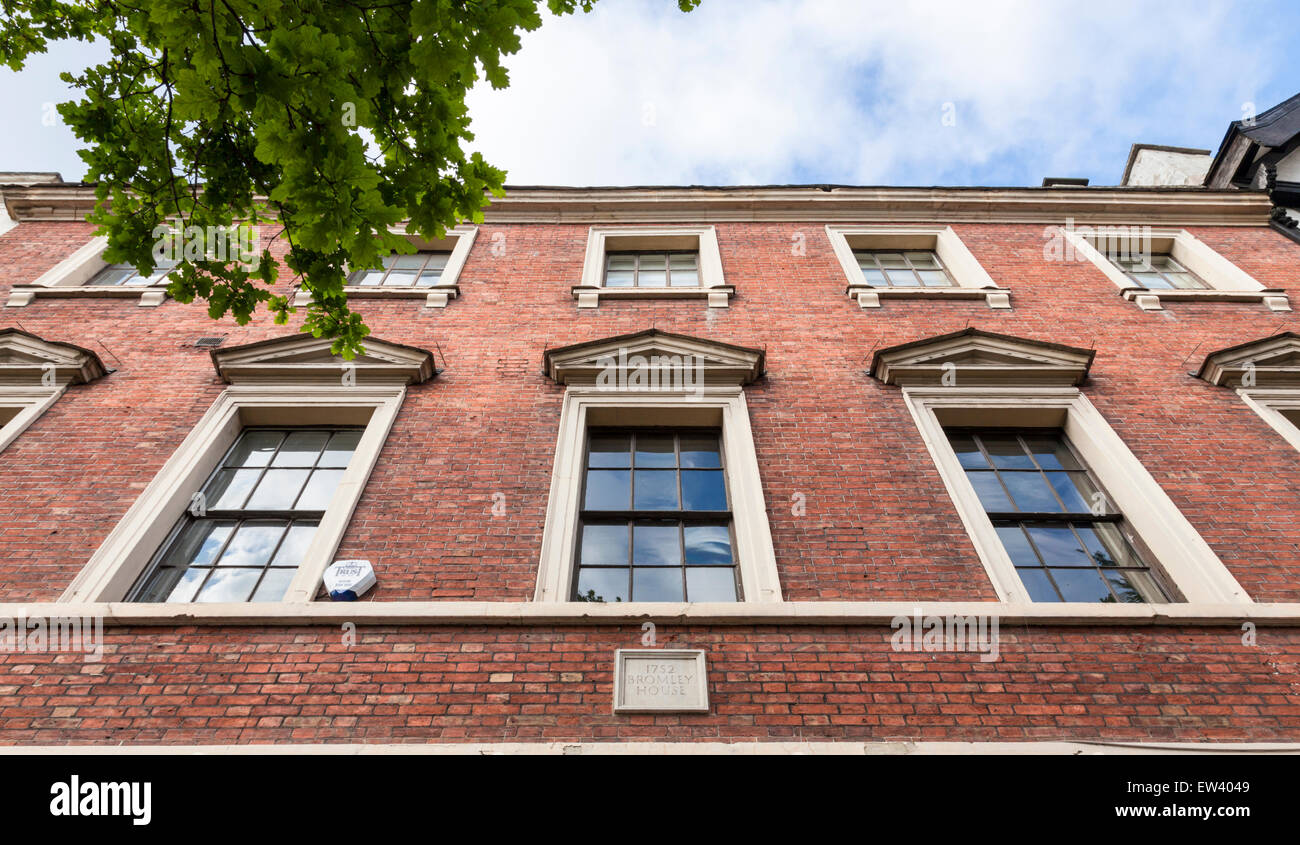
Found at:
<point>948,92</point>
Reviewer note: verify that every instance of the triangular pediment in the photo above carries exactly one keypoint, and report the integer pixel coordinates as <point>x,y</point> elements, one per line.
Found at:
<point>303,358</point>
<point>975,358</point>
<point>633,360</point>
<point>26,359</point>
<point>1269,362</point>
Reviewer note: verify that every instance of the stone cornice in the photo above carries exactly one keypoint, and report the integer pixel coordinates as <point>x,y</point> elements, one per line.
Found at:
<point>809,203</point>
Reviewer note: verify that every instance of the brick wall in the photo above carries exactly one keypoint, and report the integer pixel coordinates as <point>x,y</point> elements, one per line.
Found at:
<point>877,525</point>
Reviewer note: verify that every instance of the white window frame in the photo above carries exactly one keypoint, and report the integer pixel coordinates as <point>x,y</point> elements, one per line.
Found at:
<point>969,278</point>
<point>1185,560</point>
<point>1270,404</point>
<point>601,240</point>
<point>71,277</point>
<point>457,242</point>
<point>123,556</point>
<point>1227,282</point>
<point>716,405</point>
<point>28,403</point>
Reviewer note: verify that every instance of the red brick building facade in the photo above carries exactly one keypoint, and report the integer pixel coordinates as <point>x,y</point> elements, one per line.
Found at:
<point>459,641</point>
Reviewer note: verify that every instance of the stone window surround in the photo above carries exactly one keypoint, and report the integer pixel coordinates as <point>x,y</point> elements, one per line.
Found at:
<point>1185,560</point>
<point>458,242</point>
<point>970,280</point>
<point>68,279</point>
<point>1270,403</point>
<point>1227,282</point>
<point>120,559</point>
<point>604,239</point>
<point>36,375</point>
<point>720,406</point>
<point>22,406</point>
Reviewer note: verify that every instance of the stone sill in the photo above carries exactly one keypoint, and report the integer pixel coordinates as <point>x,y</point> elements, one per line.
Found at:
<point>434,296</point>
<point>868,296</point>
<point>21,296</point>
<point>729,613</point>
<point>1152,300</point>
<point>589,296</point>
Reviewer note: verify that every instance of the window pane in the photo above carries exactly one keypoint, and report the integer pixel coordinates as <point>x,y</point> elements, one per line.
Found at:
<point>603,585</point>
<point>1051,453</point>
<point>198,543</point>
<point>655,450</point>
<point>652,271</point>
<point>891,260</point>
<point>622,262</point>
<point>1031,492</point>
<point>301,448</point>
<point>166,582</point>
<point>657,585</point>
<point>252,545</point>
<point>1006,452</point>
<point>1107,546</point>
<point>1151,280</point>
<point>608,489</point>
<point>609,451</point>
<point>874,277</point>
<point>990,491</point>
<point>708,545</point>
<point>656,489</point>
<point>656,545</point>
<point>367,277</point>
<point>618,279</point>
<point>274,585</point>
<point>187,586</point>
<point>935,278</point>
<point>340,448</point>
<point>114,275</point>
<point>1058,545</point>
<point>295,544</point>
<point>1123,587</point>
<point>1081,585</point>
<point>1038,585</point>
<point>703,490</point>
<point>711,584</point>
<point>604,545</point>
<point>319,490</point>
<point>254,448</point>
<point>1076,491</point>
<point>229,585</point>
<point>968,454</point>
<point>1017,545</point>
<point>683,271</point>
<point>230,487</point>
<point>278,489</point>
<point>903,279</point>
<point>700,450</point>
<point>923,260</point>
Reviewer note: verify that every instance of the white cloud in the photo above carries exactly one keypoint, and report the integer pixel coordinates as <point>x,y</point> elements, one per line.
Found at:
<point>759,91</point>
<point>735,93</point>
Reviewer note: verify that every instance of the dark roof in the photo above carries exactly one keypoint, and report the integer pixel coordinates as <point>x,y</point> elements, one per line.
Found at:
<point>1276,126</point>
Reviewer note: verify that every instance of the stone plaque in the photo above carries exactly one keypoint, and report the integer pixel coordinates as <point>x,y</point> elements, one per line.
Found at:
<point>657,680</point>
